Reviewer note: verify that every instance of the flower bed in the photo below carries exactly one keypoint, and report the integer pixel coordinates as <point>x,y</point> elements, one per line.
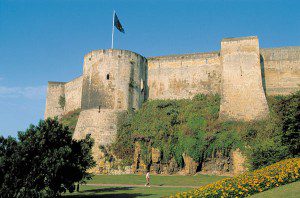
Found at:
<point>280,173</point>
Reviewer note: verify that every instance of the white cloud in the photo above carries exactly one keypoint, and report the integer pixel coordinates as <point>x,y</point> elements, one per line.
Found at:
<point>37,92</point>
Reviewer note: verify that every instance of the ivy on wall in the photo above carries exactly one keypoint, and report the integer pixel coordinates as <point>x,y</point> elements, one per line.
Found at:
<point>62,101</point>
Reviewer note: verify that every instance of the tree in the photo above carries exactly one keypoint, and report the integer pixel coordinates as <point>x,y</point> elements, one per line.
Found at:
<point>44,162</point>
<point>288,109</point>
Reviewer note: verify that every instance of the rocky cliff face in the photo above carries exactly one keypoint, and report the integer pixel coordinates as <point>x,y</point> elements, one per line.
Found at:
<point>217,165</point>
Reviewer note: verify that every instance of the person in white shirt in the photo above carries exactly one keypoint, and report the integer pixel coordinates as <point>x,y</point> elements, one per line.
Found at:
<point>148,179</point>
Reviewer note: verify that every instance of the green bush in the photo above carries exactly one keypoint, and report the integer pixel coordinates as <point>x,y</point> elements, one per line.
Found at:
<point>288,109</point>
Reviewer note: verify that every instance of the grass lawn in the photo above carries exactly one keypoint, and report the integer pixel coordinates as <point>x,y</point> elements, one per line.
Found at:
<point>161,185</point>
<point>287,191</point>
<point>125,192</point>
<point>161,180</point>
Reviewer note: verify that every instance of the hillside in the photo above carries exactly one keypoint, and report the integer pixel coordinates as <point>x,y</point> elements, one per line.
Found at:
<point>184,131</point>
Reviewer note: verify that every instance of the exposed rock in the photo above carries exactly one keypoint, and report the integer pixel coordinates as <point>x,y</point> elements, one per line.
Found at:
<point>172,166</point>
<point>238,161</point>
<point>136,156</point>
<point>217,166</point>
<point>155,155</point>
<point>138,163</point>
<point>156,168</point>
<point>190,167</point>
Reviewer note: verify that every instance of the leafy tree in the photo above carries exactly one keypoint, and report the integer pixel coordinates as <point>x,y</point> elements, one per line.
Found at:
<point>44,162</point>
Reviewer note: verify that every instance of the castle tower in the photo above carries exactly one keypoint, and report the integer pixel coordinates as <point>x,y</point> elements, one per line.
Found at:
<point>242,95</point>
<point>113,81</point>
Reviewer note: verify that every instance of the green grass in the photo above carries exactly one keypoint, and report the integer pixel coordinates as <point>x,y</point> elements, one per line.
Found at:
<point>125,192</point>
<point>161,185</point>
<point>287,191</point>
<point>172,180</point>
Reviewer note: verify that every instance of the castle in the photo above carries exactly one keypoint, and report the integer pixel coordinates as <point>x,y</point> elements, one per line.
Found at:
<point>119,80</point>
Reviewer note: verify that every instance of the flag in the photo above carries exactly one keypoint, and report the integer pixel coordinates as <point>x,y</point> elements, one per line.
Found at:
<point>118,24</point>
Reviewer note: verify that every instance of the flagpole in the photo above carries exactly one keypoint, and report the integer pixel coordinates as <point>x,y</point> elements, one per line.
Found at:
<point>113,31</point>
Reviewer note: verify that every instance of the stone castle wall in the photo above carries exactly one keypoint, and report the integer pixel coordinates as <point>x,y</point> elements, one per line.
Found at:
<point>54,91</point>
<point>176,77</point>
<point>73,90</point>
<point>183,76</point>
<point>242,95</point>
<point>281,70</point>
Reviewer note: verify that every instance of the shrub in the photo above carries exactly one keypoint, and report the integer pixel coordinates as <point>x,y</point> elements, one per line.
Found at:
<point>265,152</point>
<point>288,109</point>
<point>280,173</point>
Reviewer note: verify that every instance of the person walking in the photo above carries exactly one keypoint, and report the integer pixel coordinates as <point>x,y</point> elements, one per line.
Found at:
<point>148,179</point>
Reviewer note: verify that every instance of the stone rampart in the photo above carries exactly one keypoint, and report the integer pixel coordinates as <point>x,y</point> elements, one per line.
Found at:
<point>183,76</point>
<point>242,95</point>
<point>73,90</point>
<point>281,70</point>
<point>54,91</point>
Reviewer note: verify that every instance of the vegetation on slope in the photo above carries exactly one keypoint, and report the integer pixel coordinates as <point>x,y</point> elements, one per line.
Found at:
<point>191,126</point>
<point>70,119</point>
<point>280,173</point>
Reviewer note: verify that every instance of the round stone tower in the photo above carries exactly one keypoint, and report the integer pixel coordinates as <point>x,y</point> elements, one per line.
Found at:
<point>113,81</point>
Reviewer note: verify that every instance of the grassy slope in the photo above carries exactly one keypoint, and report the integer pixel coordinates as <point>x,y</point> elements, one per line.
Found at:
<point>70,119</point>
<point>287,191</point>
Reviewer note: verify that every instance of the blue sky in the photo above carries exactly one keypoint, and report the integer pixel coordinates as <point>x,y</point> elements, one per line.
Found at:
<point>46,40</point>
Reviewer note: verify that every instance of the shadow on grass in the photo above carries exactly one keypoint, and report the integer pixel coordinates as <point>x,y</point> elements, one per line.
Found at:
<point>94,193</point>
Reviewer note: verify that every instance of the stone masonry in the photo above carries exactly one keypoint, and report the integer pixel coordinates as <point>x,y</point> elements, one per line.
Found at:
<point>242,95</point>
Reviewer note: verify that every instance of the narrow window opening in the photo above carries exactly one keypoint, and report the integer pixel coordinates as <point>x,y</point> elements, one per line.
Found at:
<point>107,76</point>
<point>142,85</point>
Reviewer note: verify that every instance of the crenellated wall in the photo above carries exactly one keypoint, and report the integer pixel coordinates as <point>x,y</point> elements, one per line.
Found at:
<point>183,76</point>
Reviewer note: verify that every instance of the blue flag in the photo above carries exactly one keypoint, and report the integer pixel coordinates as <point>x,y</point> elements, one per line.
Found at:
<point>118,24</point>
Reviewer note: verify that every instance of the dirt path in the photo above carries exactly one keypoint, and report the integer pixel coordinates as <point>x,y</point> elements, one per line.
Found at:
<point>140,185</point>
